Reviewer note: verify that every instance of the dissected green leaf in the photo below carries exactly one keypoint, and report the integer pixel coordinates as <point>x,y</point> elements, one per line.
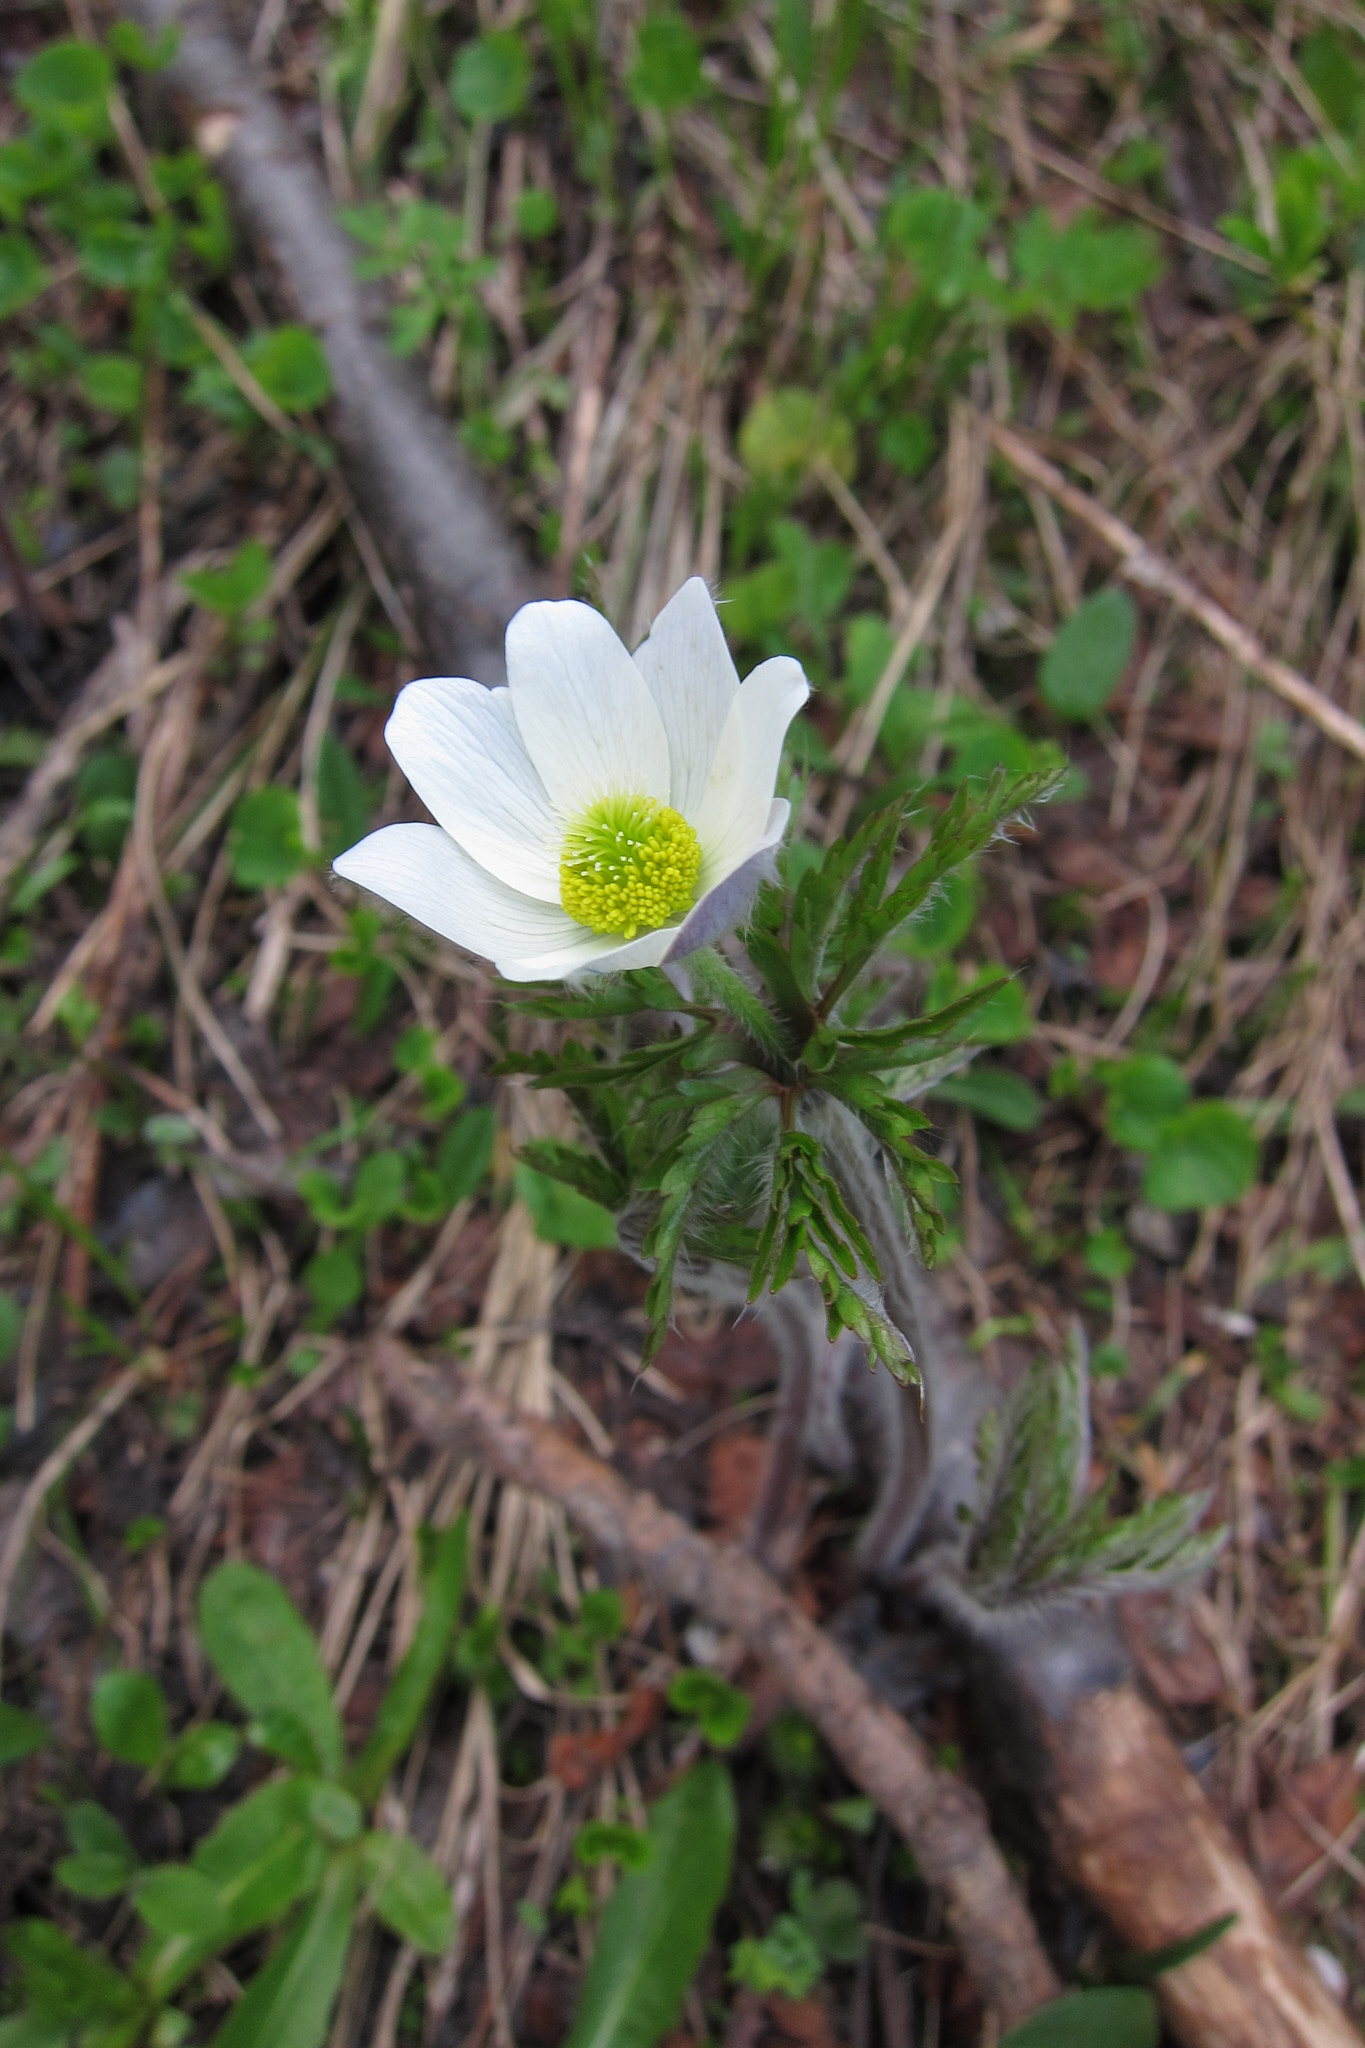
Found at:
<point>720,1710</point>
<point>265,1654</point>
<point>788,433</point>
<point>612,1841</point>
<point>657,1922</point>
<point>562,1215</point>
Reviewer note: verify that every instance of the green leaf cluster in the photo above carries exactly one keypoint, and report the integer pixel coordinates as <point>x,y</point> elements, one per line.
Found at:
<point>1200,1154</point>
<point>294,1857</point>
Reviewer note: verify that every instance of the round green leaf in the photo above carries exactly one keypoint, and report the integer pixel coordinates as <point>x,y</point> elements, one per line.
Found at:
<point>204,1756</point>
<point>788,432</point>
<point>1082,668</point>
<point>129,1712</point>
<point>537,213</point>
<point>67,82</point>
<point>112,382</point>
<point>20,1733</point>
<point>265,841</point>
<point>336,1283</point>
<point>492,76</point>
<point>1143,1093</point>
<point>22,274</point>
<point>120,256</point>
<point>1208,1155</point>
<point>1109,1255</point>
<point>667,70</point>
<point>290,366</point>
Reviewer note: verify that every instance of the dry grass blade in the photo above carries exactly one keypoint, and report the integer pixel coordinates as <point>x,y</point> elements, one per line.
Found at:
<point>1151,572</point>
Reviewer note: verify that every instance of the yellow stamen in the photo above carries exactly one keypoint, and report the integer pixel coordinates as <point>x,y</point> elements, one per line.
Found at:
<point>629,864</point>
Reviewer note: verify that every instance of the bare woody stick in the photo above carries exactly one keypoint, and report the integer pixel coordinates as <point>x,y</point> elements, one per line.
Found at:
<point>941,1818</point>
<point>1150,571</point>
<point>435,521</point>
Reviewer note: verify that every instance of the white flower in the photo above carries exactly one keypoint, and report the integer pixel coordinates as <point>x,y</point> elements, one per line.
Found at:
<point>600,812</point>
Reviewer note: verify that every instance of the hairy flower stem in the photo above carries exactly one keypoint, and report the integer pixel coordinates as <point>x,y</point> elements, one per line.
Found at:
<point>956,1393</point>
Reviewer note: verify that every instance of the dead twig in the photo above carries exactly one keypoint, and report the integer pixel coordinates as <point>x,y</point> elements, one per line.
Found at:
<point>939,1816</point>
<point>59,1461</point>
<point>1151,571</point>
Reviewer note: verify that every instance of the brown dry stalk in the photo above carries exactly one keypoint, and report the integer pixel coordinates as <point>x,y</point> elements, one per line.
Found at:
<point>1150,571</point>
<point>941,1818</point>
<point>1135,1829</point>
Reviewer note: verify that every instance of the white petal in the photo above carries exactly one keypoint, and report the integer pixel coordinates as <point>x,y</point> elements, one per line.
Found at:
<point>422,871</point>
<point>586,716</point>
<point>733,816</point>
<point>727,904</point>
<point>459,746</point>
<point>692,679</point>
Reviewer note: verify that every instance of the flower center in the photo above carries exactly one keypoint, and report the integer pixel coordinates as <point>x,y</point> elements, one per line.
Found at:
<point>629,864</point>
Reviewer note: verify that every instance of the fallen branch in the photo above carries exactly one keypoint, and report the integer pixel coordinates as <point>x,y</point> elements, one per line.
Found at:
<point>1130,1823</point>
<point>1150,571</point>
<point>436,525</point>
<point>939,1817</point>
<point>1124,1814</point>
